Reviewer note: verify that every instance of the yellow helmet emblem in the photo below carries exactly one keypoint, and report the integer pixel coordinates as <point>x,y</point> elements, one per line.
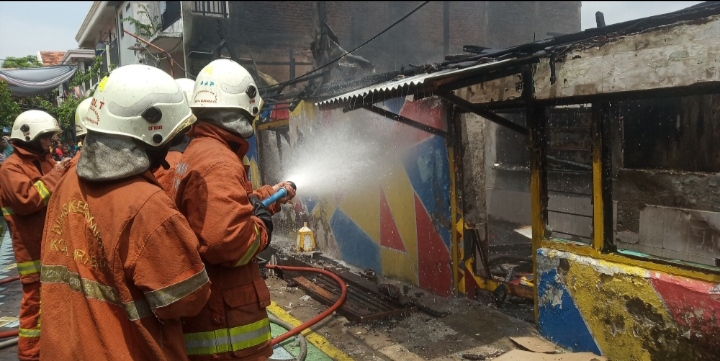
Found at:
<point>101,86</point>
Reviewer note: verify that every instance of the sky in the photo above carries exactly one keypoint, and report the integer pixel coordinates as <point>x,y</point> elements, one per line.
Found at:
<point>29,26</point>
<point>619,11</point>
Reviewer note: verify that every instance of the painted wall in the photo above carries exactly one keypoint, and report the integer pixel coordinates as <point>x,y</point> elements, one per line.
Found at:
<point>396,219</point>
<point>625,312</point>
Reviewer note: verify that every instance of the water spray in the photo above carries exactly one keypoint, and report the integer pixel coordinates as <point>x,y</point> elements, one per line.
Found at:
<point>279,194</point>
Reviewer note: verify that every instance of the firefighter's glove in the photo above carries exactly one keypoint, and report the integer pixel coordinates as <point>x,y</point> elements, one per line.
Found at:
<point>260,211</point>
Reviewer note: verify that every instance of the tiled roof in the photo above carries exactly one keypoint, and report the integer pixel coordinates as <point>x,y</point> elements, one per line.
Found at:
<point>50,58</point>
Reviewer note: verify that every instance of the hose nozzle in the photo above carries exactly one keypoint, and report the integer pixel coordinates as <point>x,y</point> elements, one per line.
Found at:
<point>279,194</point>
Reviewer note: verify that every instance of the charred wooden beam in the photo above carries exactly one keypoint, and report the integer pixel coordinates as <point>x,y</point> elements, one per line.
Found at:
<point>600,19</point>
<point>401,119</point>
<point>467,106</point>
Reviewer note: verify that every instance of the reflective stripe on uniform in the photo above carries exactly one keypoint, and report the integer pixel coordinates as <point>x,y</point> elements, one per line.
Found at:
<point>135,310</point>
<point>28,268</point>
<point>44,192</point>
<point>28,332</point>
<point>168,295</point>
<point>7,211</point>
<point>251,251</point>
<point>228,339</point>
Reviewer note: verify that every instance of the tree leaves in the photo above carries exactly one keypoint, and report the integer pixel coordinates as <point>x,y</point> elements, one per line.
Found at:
<point>142,28</point>
<point>11,107</point>
<point>29,61</point>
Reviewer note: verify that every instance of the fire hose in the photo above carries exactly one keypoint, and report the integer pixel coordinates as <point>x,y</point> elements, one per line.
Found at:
<point>13,341</point>
<point>301,340</point>
<point>275,341</point>
<point>9,279</point>
<point>10,342</point>
<point>322,315</point>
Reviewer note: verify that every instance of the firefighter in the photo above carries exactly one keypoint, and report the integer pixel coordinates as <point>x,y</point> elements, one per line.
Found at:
<point>27,179</point>
<point>80,114</point>
<point>120,264</point>
<point>180,143</point>
<point>215,195</point>
<point>80,129</point>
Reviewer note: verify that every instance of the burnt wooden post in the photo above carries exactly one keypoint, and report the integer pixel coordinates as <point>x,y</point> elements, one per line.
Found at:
<point>536,121</point>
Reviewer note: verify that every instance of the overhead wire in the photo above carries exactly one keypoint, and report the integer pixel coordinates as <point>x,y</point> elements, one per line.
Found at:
<point>351,51</point>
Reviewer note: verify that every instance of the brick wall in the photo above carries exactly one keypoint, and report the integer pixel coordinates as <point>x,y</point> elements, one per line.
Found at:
<point>269,29</point>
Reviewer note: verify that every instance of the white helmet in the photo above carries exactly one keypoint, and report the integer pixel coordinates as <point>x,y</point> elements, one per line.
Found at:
<point>187,86</point>
<point>80,114</point>
<point>225,84</point>
<point>140,102</point>
<point>33,123</point>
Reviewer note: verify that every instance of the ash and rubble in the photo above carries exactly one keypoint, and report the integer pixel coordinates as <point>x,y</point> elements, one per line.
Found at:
<point>402,293</point>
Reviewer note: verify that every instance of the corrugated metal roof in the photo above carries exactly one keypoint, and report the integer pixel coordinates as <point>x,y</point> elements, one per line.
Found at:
<point>417,81</point>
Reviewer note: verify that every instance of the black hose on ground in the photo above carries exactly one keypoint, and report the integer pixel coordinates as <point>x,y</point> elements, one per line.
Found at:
<point>300,337</point>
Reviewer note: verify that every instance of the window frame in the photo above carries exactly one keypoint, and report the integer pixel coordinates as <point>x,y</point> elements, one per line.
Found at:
<point>207,4</point>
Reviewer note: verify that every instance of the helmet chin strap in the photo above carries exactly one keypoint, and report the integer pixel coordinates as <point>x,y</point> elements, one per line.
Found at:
<point>33,147</point>
<point>157,157</point>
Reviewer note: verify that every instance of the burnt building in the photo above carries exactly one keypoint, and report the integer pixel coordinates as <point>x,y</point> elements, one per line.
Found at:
<point>278,35</point>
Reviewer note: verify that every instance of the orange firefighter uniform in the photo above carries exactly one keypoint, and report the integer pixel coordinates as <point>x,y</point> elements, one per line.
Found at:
<point>212,191</point>
<point>121,266</point>
<point>26,182</point>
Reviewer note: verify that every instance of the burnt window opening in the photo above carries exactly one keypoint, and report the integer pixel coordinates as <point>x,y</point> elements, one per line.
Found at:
<point>665,196</point>
<point>678,133</point>
<point>211,8</point>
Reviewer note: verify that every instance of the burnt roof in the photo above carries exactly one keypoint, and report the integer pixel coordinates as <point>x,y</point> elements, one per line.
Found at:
<point>535,49</point>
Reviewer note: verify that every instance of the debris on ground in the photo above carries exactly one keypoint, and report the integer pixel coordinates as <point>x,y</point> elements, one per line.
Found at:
<point>440,329</point>
<point>519,355</point>
<point>534,344</point>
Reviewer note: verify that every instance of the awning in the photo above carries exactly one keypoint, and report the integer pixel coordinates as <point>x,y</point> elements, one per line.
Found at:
<point>417,84</point>
<point>440,83</point>
<point>168,41</point>
<point>36,81</point>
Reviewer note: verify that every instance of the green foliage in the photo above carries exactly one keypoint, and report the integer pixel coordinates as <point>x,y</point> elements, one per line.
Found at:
<point>92,73</point>
<point>142,28</point>
<point>11,107</point>
<point>65,113</point>
<point>29,61</point>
